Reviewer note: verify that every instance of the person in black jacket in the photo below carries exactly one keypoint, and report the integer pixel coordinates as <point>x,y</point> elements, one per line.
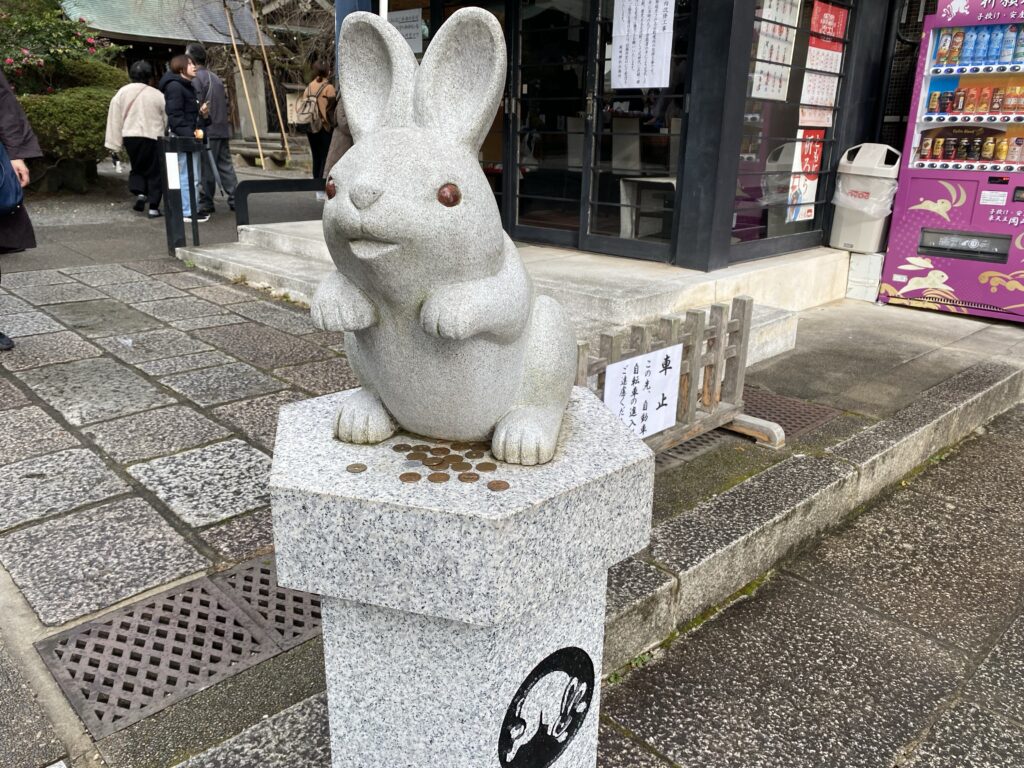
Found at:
<point>217,163</point>
<point>16,135</point>
<point>182,120</point>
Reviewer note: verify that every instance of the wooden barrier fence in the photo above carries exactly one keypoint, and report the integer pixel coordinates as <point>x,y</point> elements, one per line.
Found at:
<point>714,363</point>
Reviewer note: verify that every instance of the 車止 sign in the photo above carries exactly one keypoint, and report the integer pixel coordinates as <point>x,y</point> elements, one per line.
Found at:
<point>644,390</point>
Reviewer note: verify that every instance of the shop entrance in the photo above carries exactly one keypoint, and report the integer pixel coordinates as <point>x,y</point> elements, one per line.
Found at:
<point>595,167</point>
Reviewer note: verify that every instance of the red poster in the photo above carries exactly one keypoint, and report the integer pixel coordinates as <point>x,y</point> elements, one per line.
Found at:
<point>829,20</point>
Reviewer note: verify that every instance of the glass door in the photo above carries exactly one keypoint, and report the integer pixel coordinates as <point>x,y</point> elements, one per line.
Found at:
<point>595,165</point>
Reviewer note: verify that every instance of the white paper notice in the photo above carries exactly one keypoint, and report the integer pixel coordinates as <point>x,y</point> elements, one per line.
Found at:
<point>991,197</point>
<point>642,43</point>
<point>410,24</point>
<point>776,40</point>
<point>173,179</point>
<point>644,390</point>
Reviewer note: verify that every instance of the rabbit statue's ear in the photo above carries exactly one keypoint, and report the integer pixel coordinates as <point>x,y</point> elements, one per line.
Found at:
<point>377,69</point>
<point>460,79</point>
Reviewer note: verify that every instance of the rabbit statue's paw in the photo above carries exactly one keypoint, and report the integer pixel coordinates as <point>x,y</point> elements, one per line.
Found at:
<point>338,305</point>
<point>527,435</point>
<point>449,313</point>
<point>363,419</point>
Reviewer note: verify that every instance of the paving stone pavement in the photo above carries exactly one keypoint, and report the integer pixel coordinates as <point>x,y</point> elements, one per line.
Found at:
<point>136,419</point>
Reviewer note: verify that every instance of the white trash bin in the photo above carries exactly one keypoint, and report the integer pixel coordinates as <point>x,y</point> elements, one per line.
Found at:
<point>865,189</point>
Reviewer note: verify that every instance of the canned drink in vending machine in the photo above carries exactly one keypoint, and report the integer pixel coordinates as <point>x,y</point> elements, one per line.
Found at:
<point>962,149</point>
<point>925,151</point>
<point>938,146</point>
<point>945,101</point>
<point>1015,153</point>
<point>1002,149</point>
<point>933,102</point>
<point>945,40</point>
<point>949,149</point>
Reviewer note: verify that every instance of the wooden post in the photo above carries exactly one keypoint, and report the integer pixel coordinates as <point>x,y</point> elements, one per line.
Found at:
<point>270,77</point>
<point>712,389</point>
<point>582,363</point>
<point>736,366</point>
<point>245,86</point>
<point>693,354</point>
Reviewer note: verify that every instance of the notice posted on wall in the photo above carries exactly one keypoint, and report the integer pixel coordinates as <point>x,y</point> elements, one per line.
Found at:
<point>410,24</point>
<point>824,55</point>
<point>642,43</point>
<point>776,40</point>
<point>643,391</point>
<point>803,183</point>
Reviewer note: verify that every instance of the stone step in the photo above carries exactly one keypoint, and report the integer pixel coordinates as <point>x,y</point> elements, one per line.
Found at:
<point>283,274</point>
<point>290,260</point>
<point>297,238</point>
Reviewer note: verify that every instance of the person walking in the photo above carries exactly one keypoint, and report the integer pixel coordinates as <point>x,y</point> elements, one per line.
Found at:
<point>136,119</point>
<point>216,163</point>
<point>183,120</point>
<point>20,143</point>
<point>322,125</point>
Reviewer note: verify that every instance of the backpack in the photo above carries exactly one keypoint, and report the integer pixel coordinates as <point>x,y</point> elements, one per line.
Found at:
<point>11,193</point>
<point>307,111</point>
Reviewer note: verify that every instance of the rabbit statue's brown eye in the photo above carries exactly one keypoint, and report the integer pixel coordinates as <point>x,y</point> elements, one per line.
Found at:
<point>331,189</point>
<point>449,195</point>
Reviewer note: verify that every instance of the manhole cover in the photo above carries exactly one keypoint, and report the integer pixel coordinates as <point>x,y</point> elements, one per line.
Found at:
<point>139,660</point>
<point>796,416</point>
<point>693,448</point>
<point>290,616</point>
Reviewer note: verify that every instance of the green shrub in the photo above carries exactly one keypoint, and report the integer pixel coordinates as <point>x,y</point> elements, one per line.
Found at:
<point>70,124</point>
<point>90,72</point>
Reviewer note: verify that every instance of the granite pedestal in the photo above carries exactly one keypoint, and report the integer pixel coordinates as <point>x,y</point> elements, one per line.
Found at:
<point>463,615</point>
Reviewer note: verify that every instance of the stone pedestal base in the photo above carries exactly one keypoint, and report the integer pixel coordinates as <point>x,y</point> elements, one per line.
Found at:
<point>463,619</point>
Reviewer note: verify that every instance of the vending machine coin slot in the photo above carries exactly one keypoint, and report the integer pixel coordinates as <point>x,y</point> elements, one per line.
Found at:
<point>972,246</point>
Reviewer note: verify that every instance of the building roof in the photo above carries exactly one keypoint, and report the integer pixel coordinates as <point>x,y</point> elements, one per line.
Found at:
<point>174,21</point>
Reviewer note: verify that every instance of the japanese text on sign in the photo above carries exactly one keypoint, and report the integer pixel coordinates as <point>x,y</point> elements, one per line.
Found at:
<point>644,390</point>
<point>642,43</point>
<point>410,24</point>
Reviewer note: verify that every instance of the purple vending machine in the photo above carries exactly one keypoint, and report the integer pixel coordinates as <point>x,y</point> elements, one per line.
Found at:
<point>957,236</point>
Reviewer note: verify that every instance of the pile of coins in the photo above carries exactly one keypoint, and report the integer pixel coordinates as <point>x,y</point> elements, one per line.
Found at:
<point>465,461</point>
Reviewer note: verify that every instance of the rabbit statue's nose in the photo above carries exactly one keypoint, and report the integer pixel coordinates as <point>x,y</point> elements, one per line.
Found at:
<point>363,195</point>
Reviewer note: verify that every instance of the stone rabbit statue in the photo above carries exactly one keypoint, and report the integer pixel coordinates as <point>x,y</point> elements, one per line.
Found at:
<point>444,329</point>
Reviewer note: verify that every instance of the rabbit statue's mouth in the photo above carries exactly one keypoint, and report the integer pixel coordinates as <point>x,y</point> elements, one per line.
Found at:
<point>368,250</point>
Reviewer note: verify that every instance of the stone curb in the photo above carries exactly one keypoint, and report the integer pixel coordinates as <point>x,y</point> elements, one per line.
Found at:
<point>700,558</point>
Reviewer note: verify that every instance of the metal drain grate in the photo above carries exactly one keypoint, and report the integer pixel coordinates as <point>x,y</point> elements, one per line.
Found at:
<point>139,660</point>
<point>796,416</point>
<point>290,616</point>
<point>693,448</point>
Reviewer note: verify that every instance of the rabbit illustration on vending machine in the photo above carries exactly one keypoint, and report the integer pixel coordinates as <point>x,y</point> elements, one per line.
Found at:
<point>443,326</point>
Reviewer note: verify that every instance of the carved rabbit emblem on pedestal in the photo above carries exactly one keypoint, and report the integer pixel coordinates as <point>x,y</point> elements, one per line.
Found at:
<point>444,329</point>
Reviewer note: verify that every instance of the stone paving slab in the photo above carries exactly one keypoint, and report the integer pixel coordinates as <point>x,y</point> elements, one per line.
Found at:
<point>104,317</point>
<point>276,316</point>
<point>223,383</point>
<point>969,737</point>
<point>929,564</point>
<point>47,349</point>
<point>257,418</point>
<point>998,685</point>
<point>29,324</point>
<point>222,294</point>
<point>104,274</point>
<point>145,346</point>
<point>262,346</point>
<point>295,738</point>
<point>49,485</point>
<point>62,293</point>
<point>989,474</point>
<point>86,391</point>
<point>92,559</point>
<point>210,484</point>
<point>144,290</point>
<point>150,434</point>
<point>28,432</point>
<point>785,680</point>
<point>11,396</point>
<point>10,305</point>
<point>169,365</point>
<point>27,740</point>
<point>321,378</point>
<point>187,280</point>
<point>179,309</point>
<point>209,321</point>
<point>243,537</point>
<point>14,280</point>
<point>155,266</point>
<point>614,750</point>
